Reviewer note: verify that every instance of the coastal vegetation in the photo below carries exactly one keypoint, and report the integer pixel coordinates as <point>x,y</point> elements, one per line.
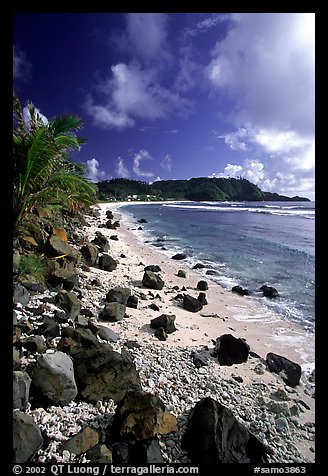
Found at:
<point>195,189</point>
<point>44,173</point>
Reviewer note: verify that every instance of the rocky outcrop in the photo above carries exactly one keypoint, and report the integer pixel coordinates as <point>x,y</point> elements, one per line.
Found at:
<point>230,350</point>
<point>27,438</point>
<point>141,416</point>
<point>103,373</point>
<point>152,280</point>
<point>214,436</point>
<point>289,371</point>
<point>53,376</point>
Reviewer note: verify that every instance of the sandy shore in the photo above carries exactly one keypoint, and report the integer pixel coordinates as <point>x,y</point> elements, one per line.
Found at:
<point>241,316</point>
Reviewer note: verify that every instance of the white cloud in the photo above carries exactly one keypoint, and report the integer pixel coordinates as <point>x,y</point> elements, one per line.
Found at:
<point>147,35</point>
<point>133,92</point>
<point>121,169</point>
<point>93,172</point>
<point>141,155</point>
<point>22,68</point>
<point>266,62</point>
<point>265,66</point>
<point>166,163</point>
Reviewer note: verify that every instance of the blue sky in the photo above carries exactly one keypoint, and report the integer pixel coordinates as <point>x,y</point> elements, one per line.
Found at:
<point>179,95</point>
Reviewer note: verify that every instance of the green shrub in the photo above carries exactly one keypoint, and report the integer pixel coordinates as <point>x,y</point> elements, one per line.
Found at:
<point>34,266</point>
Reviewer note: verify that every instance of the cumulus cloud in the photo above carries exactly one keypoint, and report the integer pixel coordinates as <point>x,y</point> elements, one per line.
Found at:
<point>22,68</point>
<point>141,155</point>
<point>93,172</point>
<point>121,169</point>
<point>166,163</point>
<point>265,65</point>
<point>147,35</point>
<point>266,61</point>
<point>134,92</point>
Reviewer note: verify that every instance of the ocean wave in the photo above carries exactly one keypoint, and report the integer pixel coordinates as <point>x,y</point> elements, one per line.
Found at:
<point>269,210</point>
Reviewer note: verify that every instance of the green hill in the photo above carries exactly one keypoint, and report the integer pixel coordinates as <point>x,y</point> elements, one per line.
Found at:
<point>195,189</point>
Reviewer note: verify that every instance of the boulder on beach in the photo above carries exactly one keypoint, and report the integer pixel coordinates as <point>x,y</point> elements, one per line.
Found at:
<point>269,291</point>
<point>101,241</point>
<point>179,256</point>
<point>68,301</point>
<point>152,267</point>
<point>289,371</point>
<point>191,304</point>
<point>103,373</point>
<point>53,376</point>
<point>230,350</point>
<point>213,436</point>
<point>118,294</point>
<point>164,320</point>
<point>112,312</point>
<point>27,438</point>
<point>240,290</point>
<point>65,277</point>
<point>152,280</point>
<point>107,263</point>
<point>202,285</point>
<point>89,253</point>
<point>140,415</point>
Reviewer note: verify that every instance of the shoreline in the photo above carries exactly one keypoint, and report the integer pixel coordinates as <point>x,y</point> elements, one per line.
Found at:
<point>249,317</point>
<point>241,316</point>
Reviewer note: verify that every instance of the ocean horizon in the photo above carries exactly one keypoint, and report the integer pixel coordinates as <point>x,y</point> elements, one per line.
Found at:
<point>241,243</point>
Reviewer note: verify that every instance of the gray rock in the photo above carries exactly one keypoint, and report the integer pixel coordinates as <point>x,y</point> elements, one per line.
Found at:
<point>81,335</point>
<point>152,267</point>
<point>27,439</point>
<point>57,247</point>
<point>112,312</point>
<point>107,334</point>
<point>89,253</point>
<point>107,263</point>
<point>68,301</point>
<point>20,294</point>
<point>35,344</point>
<point>213,435</point>
<point>179,256</point>
<point>53,376</point>
<point>141,415</point>
<point>202,285</point>
<point>191,304</point>
<point>83,441</point>
<point>132,302</point>
<point>101,241</point>
<point>66,277</point>
<point>21,389</point>
<point>103,373</point>
<point>160,334</point>
<point>100,454</point>
<point>289,371</point>
<point>152,280</point>
<point>118,294</point>
<point>282,424</point>
<point>230,350</point>
<point>164,320</point>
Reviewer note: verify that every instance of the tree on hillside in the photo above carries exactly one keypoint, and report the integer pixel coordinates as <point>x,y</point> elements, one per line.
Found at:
<point>43,171</point>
